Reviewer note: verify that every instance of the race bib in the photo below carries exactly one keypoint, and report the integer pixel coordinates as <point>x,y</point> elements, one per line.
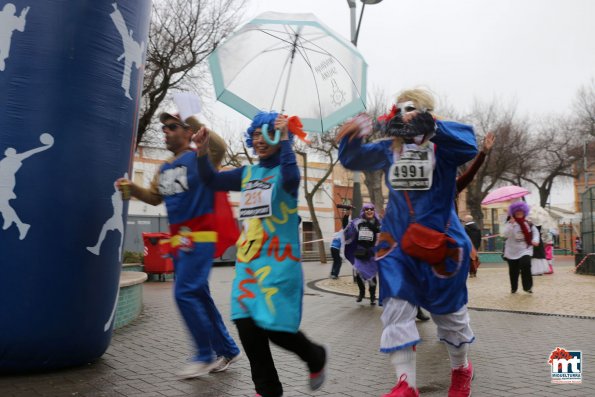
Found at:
<point>255,200</point>
<point>365,235</point>
<point>413,169</point>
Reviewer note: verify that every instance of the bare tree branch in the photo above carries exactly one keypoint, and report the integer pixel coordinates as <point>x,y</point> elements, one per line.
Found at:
<point>182,35</point>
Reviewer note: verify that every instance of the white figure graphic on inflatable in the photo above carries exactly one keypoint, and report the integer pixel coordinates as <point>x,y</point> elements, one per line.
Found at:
<point>9,22</point>
<point>116,222</point>
<point>133,52</point>
<point>9,166</point>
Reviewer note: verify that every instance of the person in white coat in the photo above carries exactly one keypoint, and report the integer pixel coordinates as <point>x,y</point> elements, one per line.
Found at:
<point>521,236</point>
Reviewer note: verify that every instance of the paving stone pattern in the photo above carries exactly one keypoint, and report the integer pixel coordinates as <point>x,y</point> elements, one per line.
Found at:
<point>510,354</point>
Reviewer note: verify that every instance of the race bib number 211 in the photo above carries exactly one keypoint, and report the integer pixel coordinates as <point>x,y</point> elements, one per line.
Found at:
<point>255,200</point>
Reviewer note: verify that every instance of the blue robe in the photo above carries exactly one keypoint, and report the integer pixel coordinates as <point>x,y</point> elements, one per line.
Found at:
<point>442,289</point>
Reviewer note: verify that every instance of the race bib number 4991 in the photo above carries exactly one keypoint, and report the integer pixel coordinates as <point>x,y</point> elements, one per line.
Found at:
<point>413,170</point>
<point>255,200</point>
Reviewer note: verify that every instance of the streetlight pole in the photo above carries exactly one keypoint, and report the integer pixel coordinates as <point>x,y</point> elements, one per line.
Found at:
<point>357,189</point>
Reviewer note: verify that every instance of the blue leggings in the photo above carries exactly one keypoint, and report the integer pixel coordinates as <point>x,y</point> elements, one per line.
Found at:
<point>197,307</point>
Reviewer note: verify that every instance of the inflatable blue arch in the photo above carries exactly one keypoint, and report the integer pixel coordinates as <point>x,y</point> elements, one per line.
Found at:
<point>70,82</point>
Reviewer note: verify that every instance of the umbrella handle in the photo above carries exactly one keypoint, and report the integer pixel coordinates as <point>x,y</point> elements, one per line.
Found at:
<point>265,134</point>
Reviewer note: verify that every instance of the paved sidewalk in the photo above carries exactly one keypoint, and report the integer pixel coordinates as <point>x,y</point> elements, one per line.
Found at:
<point>562,293</point>
<point>510,354</point>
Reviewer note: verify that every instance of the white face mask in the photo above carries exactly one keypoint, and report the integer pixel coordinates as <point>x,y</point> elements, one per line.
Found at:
<point>406,107</point>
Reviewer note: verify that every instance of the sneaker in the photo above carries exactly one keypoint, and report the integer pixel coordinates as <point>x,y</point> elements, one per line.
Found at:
<point>513,291</point>
<point>197,368</point>
<point>529,291</point>
<point>333,277</point>
<point>359,298</point>
<point>225,362</point>
<point>460,381</point>
<point>402,389</point>
<point>317,379</point>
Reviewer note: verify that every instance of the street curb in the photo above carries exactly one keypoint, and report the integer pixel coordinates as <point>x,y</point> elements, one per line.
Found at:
<point>312,285</point>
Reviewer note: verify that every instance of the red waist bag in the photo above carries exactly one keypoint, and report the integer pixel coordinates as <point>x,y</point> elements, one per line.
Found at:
<point>424,243</point>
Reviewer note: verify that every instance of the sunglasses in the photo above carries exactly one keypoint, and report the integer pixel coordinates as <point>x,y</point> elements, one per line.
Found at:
<point>172,127</point>
<point>369,209</point>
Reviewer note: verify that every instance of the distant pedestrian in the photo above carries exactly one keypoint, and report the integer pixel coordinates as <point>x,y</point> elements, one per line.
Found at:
<point>521,237</point>
<point>548,240</point>
<point>578,245</point>
<point>474,234</point>
<point>539,264</point>
<point>336,245</point>
<point>360,236</point>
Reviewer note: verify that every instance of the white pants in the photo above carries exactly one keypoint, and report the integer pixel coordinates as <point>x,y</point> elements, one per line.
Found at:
<point>400,331</point>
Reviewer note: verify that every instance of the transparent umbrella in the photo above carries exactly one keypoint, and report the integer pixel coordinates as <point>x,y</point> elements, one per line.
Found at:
<point>291,63</point>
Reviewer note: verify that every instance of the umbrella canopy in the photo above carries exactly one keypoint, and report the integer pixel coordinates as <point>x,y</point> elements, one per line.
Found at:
<point>294,64</point>
<point>505,194</point>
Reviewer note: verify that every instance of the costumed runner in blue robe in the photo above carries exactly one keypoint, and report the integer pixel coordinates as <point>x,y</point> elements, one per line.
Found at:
<point>268,287</point>
<point>420,165</point>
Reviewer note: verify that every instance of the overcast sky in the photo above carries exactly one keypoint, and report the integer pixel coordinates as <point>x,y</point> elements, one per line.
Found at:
<point>535,53</point>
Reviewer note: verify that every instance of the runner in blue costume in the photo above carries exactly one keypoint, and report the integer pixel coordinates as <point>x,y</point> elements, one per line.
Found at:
<point>268,288</point>
<point>420,164</point>
<point>193,224</point>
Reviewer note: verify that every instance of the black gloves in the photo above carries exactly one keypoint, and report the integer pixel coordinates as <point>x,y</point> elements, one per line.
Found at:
<point>423,123</point>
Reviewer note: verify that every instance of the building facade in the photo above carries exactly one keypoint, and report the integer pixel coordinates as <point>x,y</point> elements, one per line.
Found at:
<point>145,218</point>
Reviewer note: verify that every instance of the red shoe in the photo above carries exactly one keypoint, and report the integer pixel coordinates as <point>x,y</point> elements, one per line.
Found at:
<point>460,382</point>
<point>402,389</point>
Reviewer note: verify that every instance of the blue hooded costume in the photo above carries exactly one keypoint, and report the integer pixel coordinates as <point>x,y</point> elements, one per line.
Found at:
<point>439,289</point>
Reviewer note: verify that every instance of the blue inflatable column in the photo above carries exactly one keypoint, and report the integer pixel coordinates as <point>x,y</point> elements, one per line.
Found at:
<point>70,82</point>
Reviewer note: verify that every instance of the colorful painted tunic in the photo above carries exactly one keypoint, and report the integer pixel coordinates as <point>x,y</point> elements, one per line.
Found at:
<point>440,289</point>
<point>268,286</point>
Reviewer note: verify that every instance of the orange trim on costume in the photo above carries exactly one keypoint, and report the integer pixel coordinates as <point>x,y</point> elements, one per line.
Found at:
<point>246,292</point>
<point>295,126</point>
<point>274,248</point>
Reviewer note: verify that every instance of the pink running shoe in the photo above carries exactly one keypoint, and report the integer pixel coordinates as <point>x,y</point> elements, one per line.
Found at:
<point>460,381</point>
<point>402,389</point>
